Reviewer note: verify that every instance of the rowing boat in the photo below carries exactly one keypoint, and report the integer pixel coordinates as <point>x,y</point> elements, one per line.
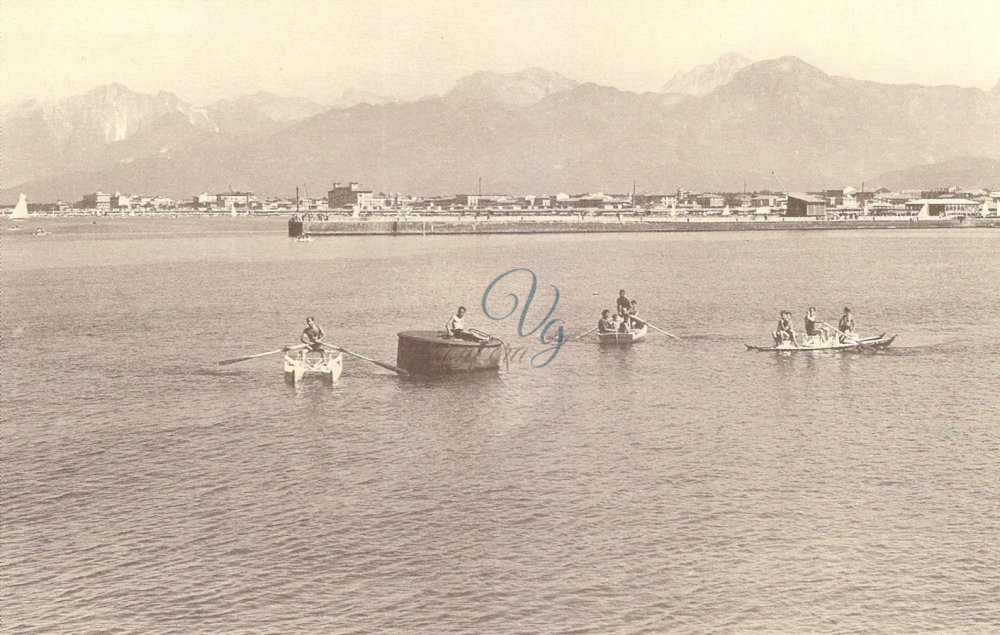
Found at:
<point>619,338</point>
<point>833,344</point>
<point>324,365</point>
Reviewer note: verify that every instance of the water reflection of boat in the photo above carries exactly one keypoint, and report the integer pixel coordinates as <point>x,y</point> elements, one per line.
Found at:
<point>619,338</point>
<point>833,344</point>
<point>323,365</point>
<point>433,353</point>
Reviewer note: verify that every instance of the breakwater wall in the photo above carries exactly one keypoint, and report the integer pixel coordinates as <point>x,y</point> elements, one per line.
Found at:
<point>428,227</point>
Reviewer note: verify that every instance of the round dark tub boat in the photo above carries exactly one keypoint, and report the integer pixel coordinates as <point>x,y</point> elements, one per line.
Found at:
<point>434,353</point>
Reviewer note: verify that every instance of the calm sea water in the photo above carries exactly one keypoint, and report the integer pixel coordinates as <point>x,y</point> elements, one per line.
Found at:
<point>672,486</point>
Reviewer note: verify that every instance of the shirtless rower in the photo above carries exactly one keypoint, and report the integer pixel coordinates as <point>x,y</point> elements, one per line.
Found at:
<point>456,328</point>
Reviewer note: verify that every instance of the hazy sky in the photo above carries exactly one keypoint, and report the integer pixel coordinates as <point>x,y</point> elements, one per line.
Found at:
<point>204,50</point>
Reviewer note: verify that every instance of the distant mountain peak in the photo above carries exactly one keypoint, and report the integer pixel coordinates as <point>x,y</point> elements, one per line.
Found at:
<point>703,79</point>
<point>781,75</point>
<point>789,65</point>
<point>518,89</point>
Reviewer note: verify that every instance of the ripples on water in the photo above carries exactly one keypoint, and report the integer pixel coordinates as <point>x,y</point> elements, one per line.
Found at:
<point>675,485</point>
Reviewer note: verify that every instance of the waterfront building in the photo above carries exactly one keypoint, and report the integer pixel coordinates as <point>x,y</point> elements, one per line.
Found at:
<point>805,205</point>
<point>655,200</point>
<point>349,195</point>
<point>236,200</point>
<point>710,200</point>
<point>121,201</point>
<point>98,200</point>
<point>764,200</point>
<point>943,207</point>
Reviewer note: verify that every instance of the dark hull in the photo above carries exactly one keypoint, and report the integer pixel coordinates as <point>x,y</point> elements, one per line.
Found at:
<point>431,353</point>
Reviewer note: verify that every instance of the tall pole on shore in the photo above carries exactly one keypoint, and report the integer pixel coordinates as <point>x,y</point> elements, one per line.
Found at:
<point>296,199</point>
<point>480,186</point>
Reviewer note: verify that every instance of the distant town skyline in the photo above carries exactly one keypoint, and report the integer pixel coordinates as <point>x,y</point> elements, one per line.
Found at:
<point>216,49</point>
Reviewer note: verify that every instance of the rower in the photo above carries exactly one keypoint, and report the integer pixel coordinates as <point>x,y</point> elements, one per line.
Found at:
<point>623,303</point>
<point>604,325</point>
<point>846,324</point>
<point>313,336</point>
<point>784,332</point>
<point>455,327</point>
<point>811,329</point>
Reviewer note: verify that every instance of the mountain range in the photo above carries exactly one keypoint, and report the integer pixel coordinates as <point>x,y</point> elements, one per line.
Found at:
<point>535,131</point>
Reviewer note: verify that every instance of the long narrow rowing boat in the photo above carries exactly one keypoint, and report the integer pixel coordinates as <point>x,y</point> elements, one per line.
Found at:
<point>326,366</point>
<point>619,338</point>
<point>832,345</point>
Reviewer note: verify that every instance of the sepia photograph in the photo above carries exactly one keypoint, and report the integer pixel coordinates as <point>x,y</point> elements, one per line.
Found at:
<point>499,316</point>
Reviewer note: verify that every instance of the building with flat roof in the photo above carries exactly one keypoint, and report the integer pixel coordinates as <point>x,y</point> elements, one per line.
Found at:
<point>349,195</point>
<point>98,200</point>
<point>943,206</point>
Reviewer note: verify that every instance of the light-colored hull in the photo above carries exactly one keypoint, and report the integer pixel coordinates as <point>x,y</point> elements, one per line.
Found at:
<point>313,364</point>
<point>618,339</point>
<point>832,345</point>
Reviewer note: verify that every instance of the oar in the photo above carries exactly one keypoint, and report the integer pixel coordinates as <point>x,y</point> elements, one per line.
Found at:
<point>369,359</point>
<point>580,337</point>
<point>858,342</point>
<point>245,358</point>
<point>650,325</point>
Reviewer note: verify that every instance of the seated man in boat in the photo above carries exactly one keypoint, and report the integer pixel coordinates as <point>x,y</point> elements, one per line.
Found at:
<point>313,335</point>
<point>846,324</point>
<point>623,323</point>
<point>605,324</point>
<point>455,327</point>
<point>784,332</point>
<point>623,303</point>
<point>812,329</point>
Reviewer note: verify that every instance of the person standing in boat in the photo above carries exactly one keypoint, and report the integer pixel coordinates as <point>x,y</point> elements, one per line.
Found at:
<point>633,314</point>
<point>812,330</point>
<point>784,331</point>
<point>313,336</point>
<point>623,303</point>
<point>455,327</point>
<point>846,324</point>
<point>604,325</point>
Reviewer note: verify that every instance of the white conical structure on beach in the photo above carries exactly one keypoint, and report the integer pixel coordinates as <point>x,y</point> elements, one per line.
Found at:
<point>726,212</point>
<point>925,211</point>
<point>21,209</point>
